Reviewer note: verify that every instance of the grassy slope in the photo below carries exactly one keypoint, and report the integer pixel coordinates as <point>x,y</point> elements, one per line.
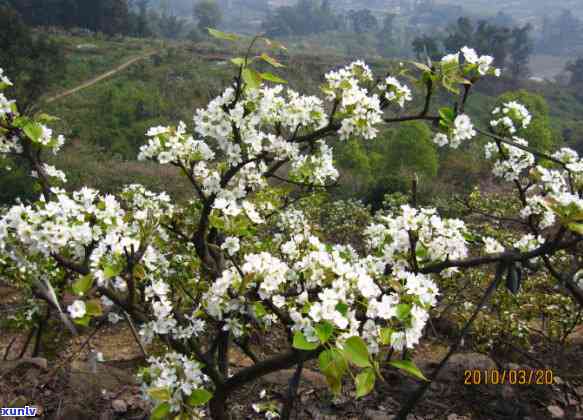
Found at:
<point>109,120</point>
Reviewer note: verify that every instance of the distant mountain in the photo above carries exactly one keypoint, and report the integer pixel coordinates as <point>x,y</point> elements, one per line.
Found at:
<point>527,10</point>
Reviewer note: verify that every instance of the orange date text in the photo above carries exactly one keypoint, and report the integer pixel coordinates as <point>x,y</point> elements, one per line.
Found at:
<point>508,377</point>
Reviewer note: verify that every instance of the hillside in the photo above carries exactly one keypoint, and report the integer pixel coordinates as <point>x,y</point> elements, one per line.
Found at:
<point>523,10</point>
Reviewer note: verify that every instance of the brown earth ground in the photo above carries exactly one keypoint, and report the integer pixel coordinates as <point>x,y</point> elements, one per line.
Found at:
<point>64,385</point>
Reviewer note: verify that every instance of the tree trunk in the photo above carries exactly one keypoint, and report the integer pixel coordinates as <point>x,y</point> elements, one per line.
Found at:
<point>218,405</point>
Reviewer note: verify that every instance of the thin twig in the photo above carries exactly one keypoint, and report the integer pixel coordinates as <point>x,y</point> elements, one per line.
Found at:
<point>412,402</point>
<point>292,392</point>
<point>135,333</point>
<point>9,348</point>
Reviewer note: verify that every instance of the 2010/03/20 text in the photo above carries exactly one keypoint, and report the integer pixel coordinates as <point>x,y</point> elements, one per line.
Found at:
<point>509,377</point>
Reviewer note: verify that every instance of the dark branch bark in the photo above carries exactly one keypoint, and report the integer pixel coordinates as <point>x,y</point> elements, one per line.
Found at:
<point>283,361</point>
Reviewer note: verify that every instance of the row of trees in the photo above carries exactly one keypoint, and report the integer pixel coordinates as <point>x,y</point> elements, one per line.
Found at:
<point>561,35</point>
<point>34,60</point>
<point>140,18</point>
<point>108,16</point>
<point>308,17</point>
<point>510,47</point>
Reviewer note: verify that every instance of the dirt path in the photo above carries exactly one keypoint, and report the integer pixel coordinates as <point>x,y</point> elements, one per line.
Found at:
<point>99,78</point>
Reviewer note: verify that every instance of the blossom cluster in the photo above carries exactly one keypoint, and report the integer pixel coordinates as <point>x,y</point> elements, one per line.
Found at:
<point>174,379</point>
<point>510,116</point>
<point>36,132</point>
<point>360,111</point>
<point>395,91</point>
<point>315,284</point>
<point>436,239</point>
<point>511,161</point>
<point>4,79</point>
<point>473,62</point>
<point>462,130</point>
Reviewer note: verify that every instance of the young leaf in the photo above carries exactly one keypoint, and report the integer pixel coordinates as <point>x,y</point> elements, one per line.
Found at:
<point>409,367</point>
<point>421,66</point>
<point>342,308</point>
<point>238,61</point>
<point>110,271</point>
<point>403,311</point>
<point>333,365</point>
<point>385,336</point>
<point>82,285</point>
<point>259,309</point>
<point>447,114</point>
<point>199,397</point>
<point>357,352</point>
<point>365,381</point>
<point>160,394</point>
<point>83,321</point>
<point>93,307</point>
<point>161,412</point>
<point>33,131</point>
<point>270,60</point>
<point>274,44</point>
<point>301,343</point>
<point>46,118</point>
<point>251,78</point>
<point>223,35</point>
<point>324,331</point>
<point>139,272</point>
<point>270,77</point>
<point>576,227</point>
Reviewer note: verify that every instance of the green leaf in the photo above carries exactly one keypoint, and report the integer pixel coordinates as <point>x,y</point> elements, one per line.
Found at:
<point>333,362</point>
<point>576,227</point>
<point>93,307</point>
<point>223,35</point>
<point>409,367</point>
<point>271,60</point>
<point>161,412</point>
<point>324,331</point>
<point>422,67</point>
<point>421,251</point>
<point>270,77</point>
<point>259,309</point>
<point>33,131</point>
<point>357,352</point>
<point>385,336</point>
<point>199,397</point>
<point>274,44</point>
<point>301,343</point>
<point>342,308</point>
<point>82,285</point>
<point>139,272</point>
<point>238,61</point>
<point>216,221</point>
<point>447,114</point>
<point>46,118</point>
<point>333,365</point>
<point>160,394</point>
<point>251,78</point>
<point>403,311</point>
<point>365,382</point>
<point>110,271</point>
<point>83,321</point>
<point>14,108</point>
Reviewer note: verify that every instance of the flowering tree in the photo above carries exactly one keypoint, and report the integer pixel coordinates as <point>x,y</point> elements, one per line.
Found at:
<point>240,259</point>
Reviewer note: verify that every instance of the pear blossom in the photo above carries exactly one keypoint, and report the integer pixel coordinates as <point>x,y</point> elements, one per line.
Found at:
<point>77,309</point>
